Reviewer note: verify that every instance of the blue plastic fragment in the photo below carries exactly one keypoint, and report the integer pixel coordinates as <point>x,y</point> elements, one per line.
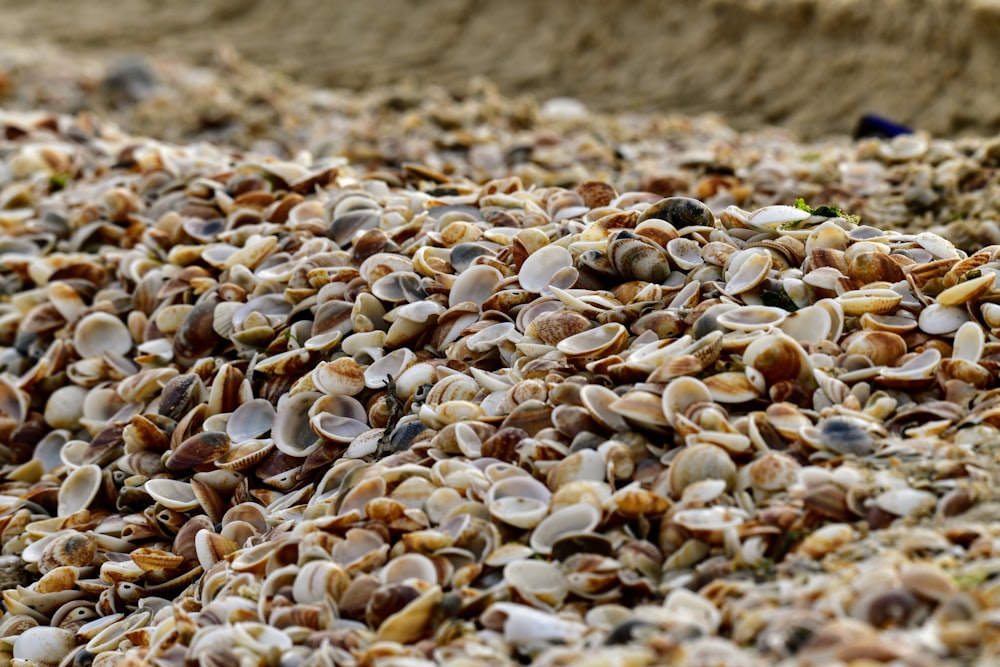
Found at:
<point>872,125</point>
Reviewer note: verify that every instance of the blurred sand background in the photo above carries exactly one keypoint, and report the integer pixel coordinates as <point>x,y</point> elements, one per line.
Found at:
<point>813,66</point>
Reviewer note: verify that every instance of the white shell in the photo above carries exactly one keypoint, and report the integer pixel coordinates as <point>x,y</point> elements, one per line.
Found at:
<point>172,494</point>
<point>291,430</point>
<point>79,489</point>
<point>576,518</point>
<point>936,319</point>
<point>475,284</point>
<point>539,268</point>
<point>520,501</point>
<point>101,332</point>
<point>43,646</point>
<point>969,342</point>
<point>250,420</point>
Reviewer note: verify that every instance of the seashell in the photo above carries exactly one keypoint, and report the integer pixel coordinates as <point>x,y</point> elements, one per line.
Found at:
<point>172,494</point>
<point>772,472</point>
<point>633,502</point>
<point>776,357</point>
<point>937,319</point>
<point>845,436</point>
<point>409,566</point>
<point>340,376</point>
<point>523,625</point>
<point>681,393</point>
<point>600,341</point>
<point>583,465</point>
<point>474,285</point>
<point>708,520</point>
<point>634,258</point>
<point>198,451</point>
<point>685,253</point>
<point>291,429</point>
<point>927,581</point>
<point>414,621</point>
<point>552,328</point>
<point>964,292</point>
<point>698,462</point>
<point>571,519</point>
<point>969,343</point>
<point>538,583</point>
<point>68,548</point>
<point>919,367</point>
<point>79,489</point>
<point>538,270</point>
<point>771,218</point>
<point>598,400</point>
<point>730,387</point>
<point>519,501</point>
<point>42,646</point>
<point>680,212</point>
<point>64,408</point>
<point>746,269</point>
<point>883,348</point>
<point>877,301</point>
<point>640,407</point>
<point>391,365</point>
<point>905,502</point>
<point>100,333</point>
<point>826,540</point>
<point>752,318</point>
<point>318,579</point>
<point>155,560</point>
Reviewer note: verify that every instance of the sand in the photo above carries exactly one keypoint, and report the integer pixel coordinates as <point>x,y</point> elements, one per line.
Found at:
<point>808,65</point>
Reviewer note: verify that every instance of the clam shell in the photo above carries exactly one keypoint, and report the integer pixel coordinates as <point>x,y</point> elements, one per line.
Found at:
<point>519,501</point>
<point>99,333</point>
<point>250,420</point>
<point>680,393</point>
<point>172,494</point>
<point>340,376</point>
<point>770,218</point>
<point>698,462</point>
<point>475,285</point>
<point>291,429</point>
<point>966,291</point>
<point>634,258</point>
<point>539,583</point>
<point>752,318</point>
<point>937,319</point>
<point>876,301</point>
<point>541,266</point>
<point>746,270</point>
<point>43,646</point>
<point>598,400</point>
<point>599,341</point>
<point>969,342</point>
<point>79,489</point>
<point>576,518</point>
<point>391,365</point>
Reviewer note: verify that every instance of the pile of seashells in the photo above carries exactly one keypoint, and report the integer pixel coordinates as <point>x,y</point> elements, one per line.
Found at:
<point>266,412</point>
